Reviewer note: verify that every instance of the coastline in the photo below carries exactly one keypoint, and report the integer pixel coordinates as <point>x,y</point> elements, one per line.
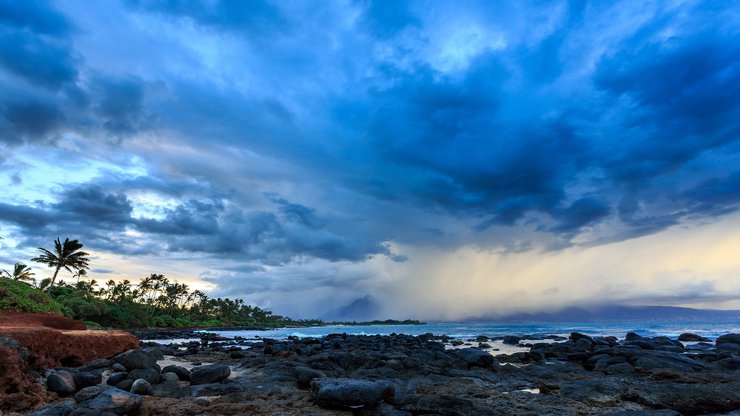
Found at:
<point>398,374</point>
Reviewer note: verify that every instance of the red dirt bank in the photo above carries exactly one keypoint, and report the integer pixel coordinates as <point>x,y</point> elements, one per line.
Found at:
<point>33,342</point>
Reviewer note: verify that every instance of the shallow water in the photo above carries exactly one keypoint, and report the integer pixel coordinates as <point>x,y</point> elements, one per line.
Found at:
<point>470,330</point>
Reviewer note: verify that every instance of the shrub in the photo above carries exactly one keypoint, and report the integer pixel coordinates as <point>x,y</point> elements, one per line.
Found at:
<point>21,297</point>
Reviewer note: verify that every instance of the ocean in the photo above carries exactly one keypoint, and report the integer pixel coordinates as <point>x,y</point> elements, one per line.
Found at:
<point>471,330</point>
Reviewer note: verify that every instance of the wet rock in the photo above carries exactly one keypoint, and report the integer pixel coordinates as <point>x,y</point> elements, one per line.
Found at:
<point>125,384</point>
<point>117,368</point>
<point>689,337</point>
<point>95,364</point>
<point>511,340</point>
<point>728,339</point>
<point>475,357</point>
<point>697,398</point>
<point>661,412</point>
<point>116,378</point>
<point>149,374</point>
<point>87,379</point>
<point>170,387</point>
<point>209,374</point>
<point>62,408</point>
<point>61,382</point>
<point>141,386</point>
<point>444,404</point>
<point>113,400</point>
<point>136,359</point>
<point>347,392</point>
<point>181,372</point>
<point>304,375</point>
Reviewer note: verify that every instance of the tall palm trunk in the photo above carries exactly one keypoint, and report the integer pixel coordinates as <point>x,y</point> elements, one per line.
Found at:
<point>53,278</point>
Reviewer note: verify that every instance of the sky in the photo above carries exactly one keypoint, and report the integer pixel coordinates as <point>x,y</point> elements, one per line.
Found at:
<point>448,158</point>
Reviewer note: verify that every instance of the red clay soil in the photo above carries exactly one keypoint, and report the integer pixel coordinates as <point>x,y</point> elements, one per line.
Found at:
<point>34,342</point>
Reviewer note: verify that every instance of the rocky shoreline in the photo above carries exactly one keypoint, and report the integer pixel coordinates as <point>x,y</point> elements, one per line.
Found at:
<point>344,374</point>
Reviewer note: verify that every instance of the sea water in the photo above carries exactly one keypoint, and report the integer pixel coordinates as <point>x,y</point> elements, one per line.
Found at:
<point>471,330</point>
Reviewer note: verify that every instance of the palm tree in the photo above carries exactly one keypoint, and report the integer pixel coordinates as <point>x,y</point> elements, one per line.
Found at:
<point>66,255</point>
<point>20,272</point>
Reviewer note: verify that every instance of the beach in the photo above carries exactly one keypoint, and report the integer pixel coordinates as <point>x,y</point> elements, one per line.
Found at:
<point>227,373</point>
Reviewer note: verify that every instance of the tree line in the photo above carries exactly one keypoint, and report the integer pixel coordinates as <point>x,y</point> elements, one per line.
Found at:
<point>154,301</point>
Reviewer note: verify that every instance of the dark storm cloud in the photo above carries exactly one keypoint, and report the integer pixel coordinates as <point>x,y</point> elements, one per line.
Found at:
<point>34,15</point>
<point>41,61</point>
<point>686,91</point>
<point>94,204</point>
<point>559,128</point>
<point>386,18</point>
<point>29,119</point>
<point>199,226</point>
<point>258,18</point>
<point>120,103</point>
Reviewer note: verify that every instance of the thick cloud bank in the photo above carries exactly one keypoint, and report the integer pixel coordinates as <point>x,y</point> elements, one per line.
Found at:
<point>304,154</point>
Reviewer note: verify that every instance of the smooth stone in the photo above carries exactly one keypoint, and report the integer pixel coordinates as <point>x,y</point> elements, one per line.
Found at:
<point>475,357</point>
<point>304,375</point>
<point>511,340</point>
<point>115,401</point>
<point>347,392</point>
<point>728,338</point>
<point>116,378</point>
<point>135,359</point>
<point>61,382</point>
<point>181,372</point>
<point>62,408</point>
<point>141,386</point>
<point>209,374</point>
<point>83,380</point>
<point>149,374</point>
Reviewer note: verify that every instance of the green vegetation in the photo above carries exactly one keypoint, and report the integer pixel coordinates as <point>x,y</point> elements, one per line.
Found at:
<point>154,302</point>
<point>66,255</point>
<point>20,272</point>
<point>19,296</point>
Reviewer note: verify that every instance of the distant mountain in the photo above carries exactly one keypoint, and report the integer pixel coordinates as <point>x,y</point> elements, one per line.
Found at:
<point>361,309</point>
<point>617,313</point>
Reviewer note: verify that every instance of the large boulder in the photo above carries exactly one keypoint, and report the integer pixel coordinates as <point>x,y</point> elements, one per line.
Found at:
<point>305,375</point>
<point>347,392</point>
<point>112,400</point>
<point>511,340</point>
<point>475,357</point>
<point>209,374</point>
<point>136,359</point>
<point>141,386</point>
<point>149,374</point>
<point>728,339</point>
<point>181,372</point>
<point>689,337</point>
<point>61,383</point>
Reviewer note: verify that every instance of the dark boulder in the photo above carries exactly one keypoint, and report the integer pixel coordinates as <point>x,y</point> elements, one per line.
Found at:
<point>87,379</point>
<point>181,372</point>
<point>575,336</point>
<point>728,339</point>
<point>62,408</point>
<point>113,400</point>
<point>347,392</point>
<point>135,359</point>
<point>304,375</point>
<point>116,378</point>
<point>141,386</point>
<point>95,364</point>
<point>149,374</point>
<point>689,337</point>
<point>475,357</point>
<point>209,374</point>
<point>61,382</point>
<point>511,340</point>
